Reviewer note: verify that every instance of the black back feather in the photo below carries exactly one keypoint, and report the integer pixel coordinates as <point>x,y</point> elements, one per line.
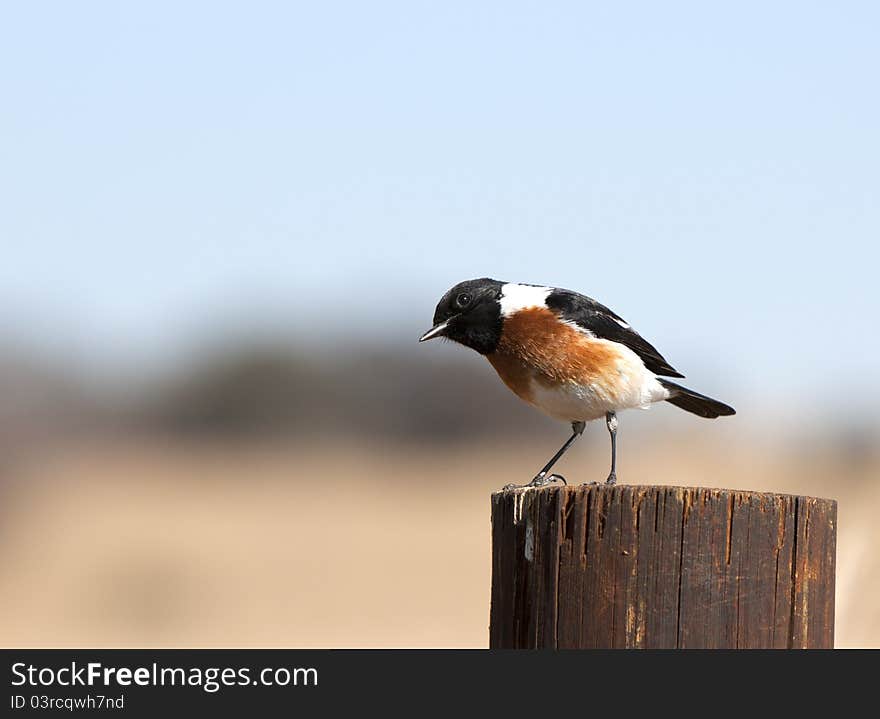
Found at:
<point>588,314</point>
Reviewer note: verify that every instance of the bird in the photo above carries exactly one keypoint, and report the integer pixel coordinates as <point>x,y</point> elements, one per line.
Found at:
<point>565,354</point>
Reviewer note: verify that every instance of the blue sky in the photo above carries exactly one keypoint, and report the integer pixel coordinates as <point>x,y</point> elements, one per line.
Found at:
<point>173,170</point>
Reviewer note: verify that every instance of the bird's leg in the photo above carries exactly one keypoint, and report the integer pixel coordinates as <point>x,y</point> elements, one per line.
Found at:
<point>611,423</point>
<point>542,478</point>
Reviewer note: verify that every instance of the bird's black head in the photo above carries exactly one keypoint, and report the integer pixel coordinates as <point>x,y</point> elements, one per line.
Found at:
<point>470,314</point>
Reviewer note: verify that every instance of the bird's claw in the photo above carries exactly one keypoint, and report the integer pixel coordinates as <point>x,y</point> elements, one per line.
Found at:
<point>540,480</point>
<point>612,480</point>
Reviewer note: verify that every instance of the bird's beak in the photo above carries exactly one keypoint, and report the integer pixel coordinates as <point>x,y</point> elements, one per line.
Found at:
<point>437,330</point>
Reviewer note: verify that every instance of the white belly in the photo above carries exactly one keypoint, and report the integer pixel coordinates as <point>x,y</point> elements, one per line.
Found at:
<point>633,387</point>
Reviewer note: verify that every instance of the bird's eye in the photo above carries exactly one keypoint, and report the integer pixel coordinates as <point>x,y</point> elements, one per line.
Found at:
<point>463,300</point>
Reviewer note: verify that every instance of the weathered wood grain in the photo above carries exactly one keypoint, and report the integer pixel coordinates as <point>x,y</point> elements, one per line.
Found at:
<point>661,567</point>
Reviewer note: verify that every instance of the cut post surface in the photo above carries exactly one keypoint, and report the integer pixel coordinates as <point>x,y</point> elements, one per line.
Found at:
<point>661,567</point>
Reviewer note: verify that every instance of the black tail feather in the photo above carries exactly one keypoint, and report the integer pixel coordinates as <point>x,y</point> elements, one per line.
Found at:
<point>694,402</point>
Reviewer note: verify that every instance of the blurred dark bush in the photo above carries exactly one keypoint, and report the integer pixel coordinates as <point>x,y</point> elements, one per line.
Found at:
<point>269,390</point>
<point>277,390</point>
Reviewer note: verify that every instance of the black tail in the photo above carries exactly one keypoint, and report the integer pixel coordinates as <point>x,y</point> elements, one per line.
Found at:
<point>695,402</point>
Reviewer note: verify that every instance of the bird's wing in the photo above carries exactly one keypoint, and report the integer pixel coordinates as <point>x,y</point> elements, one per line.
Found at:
<point>597,319</point>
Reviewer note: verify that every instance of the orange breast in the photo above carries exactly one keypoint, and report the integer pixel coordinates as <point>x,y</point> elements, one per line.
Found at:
<point>536,346</point>
<point>514,372</point>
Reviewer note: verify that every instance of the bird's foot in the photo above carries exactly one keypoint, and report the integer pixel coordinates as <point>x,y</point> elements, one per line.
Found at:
<point>612,480</point>
<point>540,480</point>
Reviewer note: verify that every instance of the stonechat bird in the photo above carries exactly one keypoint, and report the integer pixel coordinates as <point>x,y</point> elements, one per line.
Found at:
<point>564,353</point>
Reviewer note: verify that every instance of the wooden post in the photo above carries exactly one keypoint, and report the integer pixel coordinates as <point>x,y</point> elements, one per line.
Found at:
<point>661,567</point>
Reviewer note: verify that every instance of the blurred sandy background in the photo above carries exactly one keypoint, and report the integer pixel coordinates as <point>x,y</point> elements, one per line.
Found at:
<point>222,523</point>
<point>224,226</point>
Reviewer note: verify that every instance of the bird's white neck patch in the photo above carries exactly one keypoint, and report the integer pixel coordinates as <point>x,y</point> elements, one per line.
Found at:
<point>516,297</point>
